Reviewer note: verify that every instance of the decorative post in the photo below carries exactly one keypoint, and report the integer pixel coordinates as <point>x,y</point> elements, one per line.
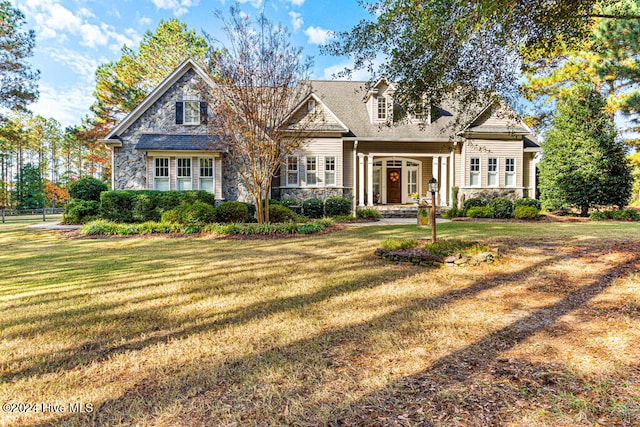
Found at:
<point>433,188</point>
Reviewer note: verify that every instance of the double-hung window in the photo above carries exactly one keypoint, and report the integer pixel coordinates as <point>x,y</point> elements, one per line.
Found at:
<point>183,180</point>
<point>510,172</point>
<point>330,171</point>
<point>382,108</point>
<point>292,171</point>
<point>474,172</point>
<point>492,172</point>
<point>161,174</point>
<point>206,175</point>
<point>191,112</point>
<point>312,171</point>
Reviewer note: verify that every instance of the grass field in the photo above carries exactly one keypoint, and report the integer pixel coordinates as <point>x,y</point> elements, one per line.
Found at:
<point>317,331</point>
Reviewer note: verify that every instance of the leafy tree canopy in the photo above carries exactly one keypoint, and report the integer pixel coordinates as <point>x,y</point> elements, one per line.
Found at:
<point>17,79</point>
<point>430,46</point>
<point>583,164</point>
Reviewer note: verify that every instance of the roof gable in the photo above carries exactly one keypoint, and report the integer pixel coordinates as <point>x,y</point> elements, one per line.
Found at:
<point>322,118</point>
<point>162,88</point>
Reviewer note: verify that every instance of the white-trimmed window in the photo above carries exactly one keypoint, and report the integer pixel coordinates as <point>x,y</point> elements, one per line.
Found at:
<point>330,171</point>
<point>510,172</point>
<point>311,105</point>
<point>183,176</point>
<point>312,171</point>
<point>206,175</point>
<point>382,108</point>
<point>492,172</point>
<point>191,111</point>
<point>474,172</point>
<point>161,174</point>
<point>292,171</point>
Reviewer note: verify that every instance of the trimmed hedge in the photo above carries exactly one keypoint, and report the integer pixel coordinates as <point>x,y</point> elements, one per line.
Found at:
<point>80,211</point>
<point>480,212</point>
<point>147,205</point>
<point>231,212</point>
<point>501,207</point>
<point>336,206</point>
<point>197,213</point>
<point>86,188</point>
<point>280,213</point>
<point>526,212</point>
<point>474,202</point>
<point>313,208</point>
<point>528,202</point>
<point>617,215</point>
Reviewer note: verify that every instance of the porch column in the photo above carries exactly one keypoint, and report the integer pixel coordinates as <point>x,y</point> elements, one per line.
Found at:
<point>444,183</point>
<point>369,180</point>
<point>360,179</point>
<point>452,176</point>
<point>436,172</point>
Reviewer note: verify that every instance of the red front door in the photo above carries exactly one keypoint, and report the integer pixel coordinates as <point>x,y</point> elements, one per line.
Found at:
<point>394,193</point>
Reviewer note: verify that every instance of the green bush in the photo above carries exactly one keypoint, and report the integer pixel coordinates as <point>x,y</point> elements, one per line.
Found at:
<point>528,202</point>
<point>313,208</point>
<point>397,244</point>
<point>80,211</point>
<point>145,207</point>
<point>452,213</point>
<point>618,215</point>
<point>501,207</point>
<point>336,206</point>
<point>367,213</point>
<point>474,202</point>
<point>117,205</point>
<point>279,213</point>
<point>197,213</point>
<point>232,212</point>
<point>480,212</point>
<point>526,212</point>
<point>251,212</point>
<point>86,188</point>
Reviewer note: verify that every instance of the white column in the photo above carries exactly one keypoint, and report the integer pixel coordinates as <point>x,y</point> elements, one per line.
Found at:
<point>452,175</point>
<point>444,183</point>
<point>436,172</point>
<point>360,179</point>
<point>369,180</point>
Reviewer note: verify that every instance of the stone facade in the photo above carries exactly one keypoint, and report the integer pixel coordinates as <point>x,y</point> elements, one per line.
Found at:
<point>232,186</point>
<point>302,194</point>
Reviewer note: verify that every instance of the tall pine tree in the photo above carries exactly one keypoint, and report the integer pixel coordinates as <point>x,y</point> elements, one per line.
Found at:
<point>584,165</point>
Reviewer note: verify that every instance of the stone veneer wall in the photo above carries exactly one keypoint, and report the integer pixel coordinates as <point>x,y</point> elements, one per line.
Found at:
<point>130,168</point>
<point>232,186</point>
<point>302,194</point>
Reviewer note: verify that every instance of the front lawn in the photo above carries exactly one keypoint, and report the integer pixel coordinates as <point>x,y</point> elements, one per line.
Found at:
<point>317,331</point>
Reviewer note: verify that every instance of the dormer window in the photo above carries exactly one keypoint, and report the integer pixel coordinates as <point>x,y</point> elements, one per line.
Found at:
<point>382,108</point>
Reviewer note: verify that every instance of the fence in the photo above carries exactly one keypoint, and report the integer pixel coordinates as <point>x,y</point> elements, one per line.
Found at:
<point>35,214</point>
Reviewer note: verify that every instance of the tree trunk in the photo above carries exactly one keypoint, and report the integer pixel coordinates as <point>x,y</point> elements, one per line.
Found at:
<point>584,210</point>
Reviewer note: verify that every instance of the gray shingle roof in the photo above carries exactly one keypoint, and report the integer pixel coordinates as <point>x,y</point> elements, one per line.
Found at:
<point>155,141</point>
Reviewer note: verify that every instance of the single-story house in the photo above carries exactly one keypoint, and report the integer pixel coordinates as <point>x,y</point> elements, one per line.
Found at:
<point>164,144</point>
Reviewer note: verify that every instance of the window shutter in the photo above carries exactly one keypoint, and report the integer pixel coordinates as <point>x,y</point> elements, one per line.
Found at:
<point>203,113</point>
<point>179,112</point>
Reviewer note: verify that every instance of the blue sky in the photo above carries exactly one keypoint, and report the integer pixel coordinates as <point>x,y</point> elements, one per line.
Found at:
<point>73,37</point>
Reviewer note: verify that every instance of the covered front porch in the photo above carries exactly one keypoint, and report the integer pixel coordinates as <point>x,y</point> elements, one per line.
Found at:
<point>384,179</point>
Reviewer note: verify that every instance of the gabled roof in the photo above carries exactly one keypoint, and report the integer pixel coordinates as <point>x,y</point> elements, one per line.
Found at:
<point>474,127</point>
<point>134,115</point>
<point>332,125</point>
<point>171,142</point>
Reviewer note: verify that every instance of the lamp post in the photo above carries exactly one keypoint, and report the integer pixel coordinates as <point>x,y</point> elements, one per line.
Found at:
<point>433,188</point>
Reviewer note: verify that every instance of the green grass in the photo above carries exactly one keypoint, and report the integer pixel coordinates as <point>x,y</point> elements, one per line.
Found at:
<point>317,331</point>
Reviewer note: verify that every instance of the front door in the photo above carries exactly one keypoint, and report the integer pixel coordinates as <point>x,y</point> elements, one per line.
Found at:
<point>394,187</point>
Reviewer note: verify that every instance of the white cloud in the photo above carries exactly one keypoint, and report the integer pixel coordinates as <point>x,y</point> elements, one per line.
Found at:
<point>83,65</point>
<point>318,35</point>
<point>296,20</point>
<point>255,3</point>
<point>331,72</point>
<point>297,2</point>
<point>65,105</point>
<point>145,21</point>
<point>179,7</point>
<point>93,36</point>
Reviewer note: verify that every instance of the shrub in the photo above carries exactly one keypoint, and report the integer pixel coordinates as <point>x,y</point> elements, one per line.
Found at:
<point>80,211</point>
<point>145,207</point>
<point>197,213</point>
<point>528,202</point>
<point>117,205</point>
<point>367,213</point>
<point>397,244</point>
<point>526,212</point>
<point>251,212</point>
<point>294,205</point>
<point>452,213</point>
<point>313,208</point>
<point>279,213</point>
<point>474,202</point>
<point>87,188</point>
<point>232,212</point>
<point>501,207</point>
<point>480,212</point>
<point>336,206</point>
<point>618,215</point>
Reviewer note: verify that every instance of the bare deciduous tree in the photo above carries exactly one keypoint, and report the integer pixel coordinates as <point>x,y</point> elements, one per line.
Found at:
<point>259,81</point>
